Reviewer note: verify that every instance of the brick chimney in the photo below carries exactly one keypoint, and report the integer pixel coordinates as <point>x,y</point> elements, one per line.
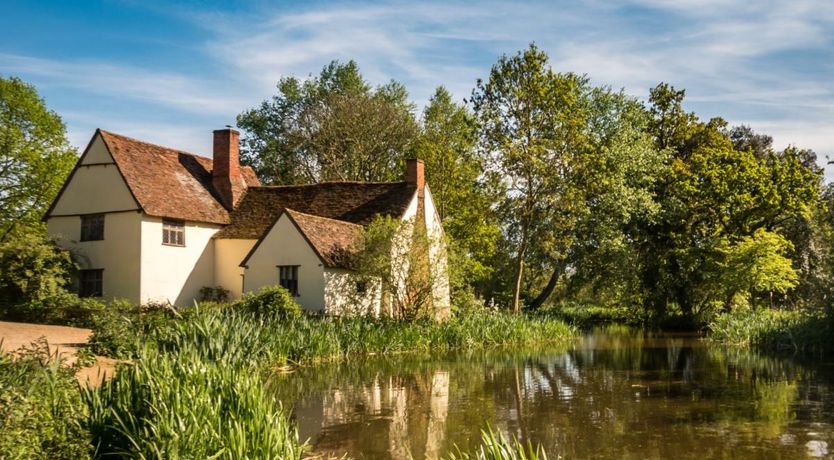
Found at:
<point>226,177</point>
<point>415,175</point>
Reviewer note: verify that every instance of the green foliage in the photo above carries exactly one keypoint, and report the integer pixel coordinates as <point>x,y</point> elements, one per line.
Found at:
<point>35,158</point>
<point>120,327</point>
<point>331,127</point>
<point>213,294</point>
<point>33,275</point>
<point>532,121</point>
<point>273,301</point>
<point>725,212</point>
<point>41,411</point>
<point>756,264</point>
<point>462,196</point>
<point>498,447</point>
<point>182,405</point>
<point>775,330</point>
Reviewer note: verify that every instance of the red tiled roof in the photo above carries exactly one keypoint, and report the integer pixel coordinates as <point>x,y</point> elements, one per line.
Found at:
<point>335,241</point>
<point>168,182</point>
<point>353,202</point>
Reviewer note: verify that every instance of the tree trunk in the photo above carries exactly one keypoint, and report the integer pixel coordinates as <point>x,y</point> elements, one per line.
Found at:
<point>549,288</point>
<point>519,271</point>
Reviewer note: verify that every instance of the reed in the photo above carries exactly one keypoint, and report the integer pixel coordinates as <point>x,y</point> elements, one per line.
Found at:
<point>182,405</point>
<point>499,447</point>
<point>775,330</point>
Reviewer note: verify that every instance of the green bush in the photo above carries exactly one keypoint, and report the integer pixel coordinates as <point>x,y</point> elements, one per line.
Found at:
<point>34,273</point>
<point>498,447</point>
<point>41,411</point>
<point>120,327</point>
<point>272,301</point>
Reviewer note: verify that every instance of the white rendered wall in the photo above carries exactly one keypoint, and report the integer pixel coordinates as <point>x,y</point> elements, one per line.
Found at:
<point>342,298</point>
<point>284,245</point>
<point>172,273</point>
<point>228,254</point>
<point>96,187</point>
<point>118,253</point>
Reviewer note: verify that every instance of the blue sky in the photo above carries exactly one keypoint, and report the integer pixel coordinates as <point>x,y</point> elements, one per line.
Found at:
<point>171,73</point>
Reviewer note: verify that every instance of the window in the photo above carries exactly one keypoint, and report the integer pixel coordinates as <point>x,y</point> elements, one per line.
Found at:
<point>90,283</point>
<point>92,227</point>
<point>288,278</point>
<point>173,232</point>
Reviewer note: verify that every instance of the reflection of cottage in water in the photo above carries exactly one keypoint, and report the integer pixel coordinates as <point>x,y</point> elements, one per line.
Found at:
<point>411,410</point>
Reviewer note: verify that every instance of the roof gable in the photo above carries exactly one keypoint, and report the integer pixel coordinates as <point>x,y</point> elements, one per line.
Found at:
<point>335,241</point>
<point>168,182</point>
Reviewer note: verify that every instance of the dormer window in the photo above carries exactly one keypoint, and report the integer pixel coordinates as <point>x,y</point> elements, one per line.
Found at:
<point>173,232</point>
<point>92,227</point>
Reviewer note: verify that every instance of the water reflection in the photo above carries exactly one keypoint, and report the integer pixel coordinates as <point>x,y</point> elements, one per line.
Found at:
<point>615,394</point>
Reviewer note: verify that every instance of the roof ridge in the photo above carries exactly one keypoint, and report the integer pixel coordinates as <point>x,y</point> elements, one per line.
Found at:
<point>165,147</point>
<point>294,211</point>
<point>351,182</point>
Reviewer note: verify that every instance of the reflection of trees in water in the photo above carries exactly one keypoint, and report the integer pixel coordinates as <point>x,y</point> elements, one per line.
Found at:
<point>616,396</point>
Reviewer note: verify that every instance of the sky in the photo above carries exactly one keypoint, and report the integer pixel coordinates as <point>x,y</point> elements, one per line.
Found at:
<point>171,72</point>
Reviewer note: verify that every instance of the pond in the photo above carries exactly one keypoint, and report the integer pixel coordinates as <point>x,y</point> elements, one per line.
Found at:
<point>615,393</point>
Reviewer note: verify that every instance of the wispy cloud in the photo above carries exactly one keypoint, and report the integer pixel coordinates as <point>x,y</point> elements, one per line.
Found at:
<point>187,93</point>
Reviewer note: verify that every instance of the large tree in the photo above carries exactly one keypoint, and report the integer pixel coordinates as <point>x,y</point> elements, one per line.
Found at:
<point>35,157</point>
<point>531,132</point>
<point>463,198</point>
<point>331,127</point>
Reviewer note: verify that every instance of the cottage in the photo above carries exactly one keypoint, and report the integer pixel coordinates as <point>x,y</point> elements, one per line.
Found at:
<point>153,224</point>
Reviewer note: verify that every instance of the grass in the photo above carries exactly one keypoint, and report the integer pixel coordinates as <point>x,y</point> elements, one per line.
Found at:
<point>806,332</point>
<point>42,414</point>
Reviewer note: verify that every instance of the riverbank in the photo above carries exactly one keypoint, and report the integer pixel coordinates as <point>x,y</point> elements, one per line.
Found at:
<point>209,367</point>
<point>782,331</point>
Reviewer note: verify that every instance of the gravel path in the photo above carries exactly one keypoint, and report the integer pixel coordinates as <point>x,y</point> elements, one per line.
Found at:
<point>61,339</point>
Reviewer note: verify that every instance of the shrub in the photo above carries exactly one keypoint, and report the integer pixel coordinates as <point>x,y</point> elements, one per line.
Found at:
<point>119,328</point>
<point>216,294</point>
<point>34,272</point>
<point>41,411</point>
<point>272,301</point>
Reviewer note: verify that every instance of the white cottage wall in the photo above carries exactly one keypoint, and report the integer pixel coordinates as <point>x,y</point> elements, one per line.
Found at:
<point>228,274</point>
<point>175,274</point>
<point>285,245</point>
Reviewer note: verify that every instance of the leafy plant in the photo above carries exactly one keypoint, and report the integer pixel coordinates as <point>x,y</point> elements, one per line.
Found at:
<point>273,301</point>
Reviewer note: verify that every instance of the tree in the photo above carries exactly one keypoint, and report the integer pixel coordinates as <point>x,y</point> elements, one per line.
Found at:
<point>715,199</point>
<point>454,172</point>
<point>531,121</point>
<point>330,127</point>
<point>35,157</point>
<point>393,256</point>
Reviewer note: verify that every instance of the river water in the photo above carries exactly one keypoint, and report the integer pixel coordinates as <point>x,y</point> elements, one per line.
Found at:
<point>615,393</point>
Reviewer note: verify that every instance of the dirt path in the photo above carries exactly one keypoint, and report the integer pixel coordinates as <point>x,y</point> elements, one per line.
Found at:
<point>61,339</point>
